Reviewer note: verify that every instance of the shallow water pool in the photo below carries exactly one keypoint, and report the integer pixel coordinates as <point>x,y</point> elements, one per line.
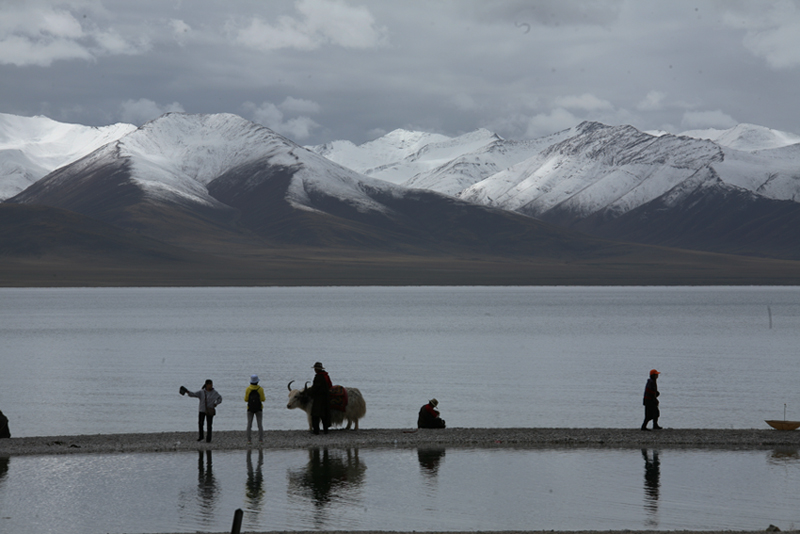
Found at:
<point>435,489</point>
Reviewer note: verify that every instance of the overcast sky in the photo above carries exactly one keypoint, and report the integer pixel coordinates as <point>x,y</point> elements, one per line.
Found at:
<point>320,70</point>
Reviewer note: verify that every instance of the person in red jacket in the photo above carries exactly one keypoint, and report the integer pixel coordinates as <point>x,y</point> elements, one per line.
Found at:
<point>429,416</point>
<point>651,411</point>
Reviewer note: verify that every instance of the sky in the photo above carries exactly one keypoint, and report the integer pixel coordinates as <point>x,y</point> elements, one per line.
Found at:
<point>323,70</point>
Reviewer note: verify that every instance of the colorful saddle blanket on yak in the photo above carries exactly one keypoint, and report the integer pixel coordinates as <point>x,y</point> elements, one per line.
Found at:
<point>338,398</point>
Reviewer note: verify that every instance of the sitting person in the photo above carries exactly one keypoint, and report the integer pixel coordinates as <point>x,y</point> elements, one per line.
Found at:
<point>4,432</point>
<point>429,416</point>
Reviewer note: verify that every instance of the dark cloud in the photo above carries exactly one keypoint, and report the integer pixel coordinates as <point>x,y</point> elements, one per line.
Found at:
<point>318,70</point>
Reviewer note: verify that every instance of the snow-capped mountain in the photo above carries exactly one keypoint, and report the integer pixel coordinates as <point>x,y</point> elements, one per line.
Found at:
<point>589,175</point>
<point>600,173</point>
<point>31,147</point>
<point>176,157</point>
<point>735,190</point>
<point>746,137</point>
<point>401,155</point>
<point>431,161</point>
<point>194,178</point>
<point>617,168</point>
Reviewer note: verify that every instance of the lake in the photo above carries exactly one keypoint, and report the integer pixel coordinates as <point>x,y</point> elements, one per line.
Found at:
<point>87,361</point>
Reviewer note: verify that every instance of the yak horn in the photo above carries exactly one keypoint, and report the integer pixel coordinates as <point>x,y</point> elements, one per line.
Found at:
<point>290,385</point>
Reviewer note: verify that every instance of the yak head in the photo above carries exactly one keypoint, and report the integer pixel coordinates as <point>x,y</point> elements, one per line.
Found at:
<point>298,398</point>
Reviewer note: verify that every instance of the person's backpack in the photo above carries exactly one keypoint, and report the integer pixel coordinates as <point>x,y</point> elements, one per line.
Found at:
<point>254,401</point>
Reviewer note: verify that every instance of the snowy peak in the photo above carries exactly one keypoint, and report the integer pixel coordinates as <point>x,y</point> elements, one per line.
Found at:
<point>625,145</point>
<point>596,167</point>
<point>176,158</point>
<point>402,154</point>
<point>49,142</point>
<point>746,137</point>
<point>31,147</point>
<point>181,152</point>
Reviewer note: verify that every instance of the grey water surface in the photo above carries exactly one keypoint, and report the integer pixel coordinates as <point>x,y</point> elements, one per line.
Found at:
<point>87,361</point>
<point>435,489</point>
<point>111,360</point>
<point>108,360</point>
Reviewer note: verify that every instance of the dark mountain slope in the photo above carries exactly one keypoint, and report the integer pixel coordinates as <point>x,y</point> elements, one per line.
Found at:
<point>707,214</point>
<point>414,221</point>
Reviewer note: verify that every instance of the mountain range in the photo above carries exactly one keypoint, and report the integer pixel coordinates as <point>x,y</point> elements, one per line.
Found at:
<point>216,199</point>
<point>733,191</point>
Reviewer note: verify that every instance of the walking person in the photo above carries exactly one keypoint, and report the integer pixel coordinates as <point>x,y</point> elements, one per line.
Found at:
<point>429,416</point>
<point>254,396</point>
<point>651,393</point>
<point>209,400</point>
<point>320,394</point>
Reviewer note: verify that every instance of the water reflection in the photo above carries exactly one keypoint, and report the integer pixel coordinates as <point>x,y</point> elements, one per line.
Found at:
<point>4,461</point>
<point>652,485</point>
<point>429,460</point>
<point>206,486</point>
<point>254,487</point>
<point>784,456</point>
<point>329,476</point>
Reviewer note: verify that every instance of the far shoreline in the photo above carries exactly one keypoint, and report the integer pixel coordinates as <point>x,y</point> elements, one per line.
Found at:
<point>546,438</point>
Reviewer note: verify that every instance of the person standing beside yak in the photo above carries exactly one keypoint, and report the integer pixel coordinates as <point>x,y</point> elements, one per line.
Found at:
<point>651,411</point>
<point>320,395</point>
<point>254,395</point>
<point>209,399</point>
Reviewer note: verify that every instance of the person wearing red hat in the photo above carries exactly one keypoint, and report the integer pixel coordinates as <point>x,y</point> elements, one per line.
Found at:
<point>651,411</point>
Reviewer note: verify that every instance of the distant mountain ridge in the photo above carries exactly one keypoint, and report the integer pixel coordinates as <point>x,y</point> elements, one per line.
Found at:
<point>590,175</point>
<point>219,180</point>
<point>223,187</point>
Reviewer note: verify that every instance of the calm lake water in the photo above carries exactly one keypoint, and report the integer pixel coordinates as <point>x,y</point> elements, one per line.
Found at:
<point>401,489</point>
<point>86,361</point>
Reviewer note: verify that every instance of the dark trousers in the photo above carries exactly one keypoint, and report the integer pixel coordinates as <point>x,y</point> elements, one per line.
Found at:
<point>202,417</point>
<point>651,413</point>
<point>324,419</point>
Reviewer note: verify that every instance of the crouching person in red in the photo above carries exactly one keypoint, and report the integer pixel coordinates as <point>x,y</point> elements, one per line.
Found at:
<point>429,416</point>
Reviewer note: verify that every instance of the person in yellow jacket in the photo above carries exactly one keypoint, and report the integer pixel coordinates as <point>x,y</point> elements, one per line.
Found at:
<point>254,396</point>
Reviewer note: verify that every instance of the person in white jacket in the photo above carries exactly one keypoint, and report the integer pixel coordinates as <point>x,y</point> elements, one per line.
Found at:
<point>209,399</point>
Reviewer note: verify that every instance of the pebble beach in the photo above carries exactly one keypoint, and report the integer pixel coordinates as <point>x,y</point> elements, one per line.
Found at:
<point>450,437</point>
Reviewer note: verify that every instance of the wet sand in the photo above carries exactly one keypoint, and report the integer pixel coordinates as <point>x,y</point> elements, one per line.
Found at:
<point>545,438</point>
<point>365,438</point>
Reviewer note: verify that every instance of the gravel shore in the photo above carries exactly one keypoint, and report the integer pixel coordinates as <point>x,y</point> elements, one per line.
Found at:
<point>451,437</point>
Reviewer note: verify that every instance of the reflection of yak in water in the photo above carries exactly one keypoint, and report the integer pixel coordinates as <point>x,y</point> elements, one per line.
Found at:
<point>429,460</point>
<point>327,474</point>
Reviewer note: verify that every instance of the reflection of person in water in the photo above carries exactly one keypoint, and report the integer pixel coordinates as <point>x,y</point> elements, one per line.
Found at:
<point>4,461</point>
<point>652,482</point>
<point>206,486</point>
<point>254,487</point>
<point>429,460</point>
